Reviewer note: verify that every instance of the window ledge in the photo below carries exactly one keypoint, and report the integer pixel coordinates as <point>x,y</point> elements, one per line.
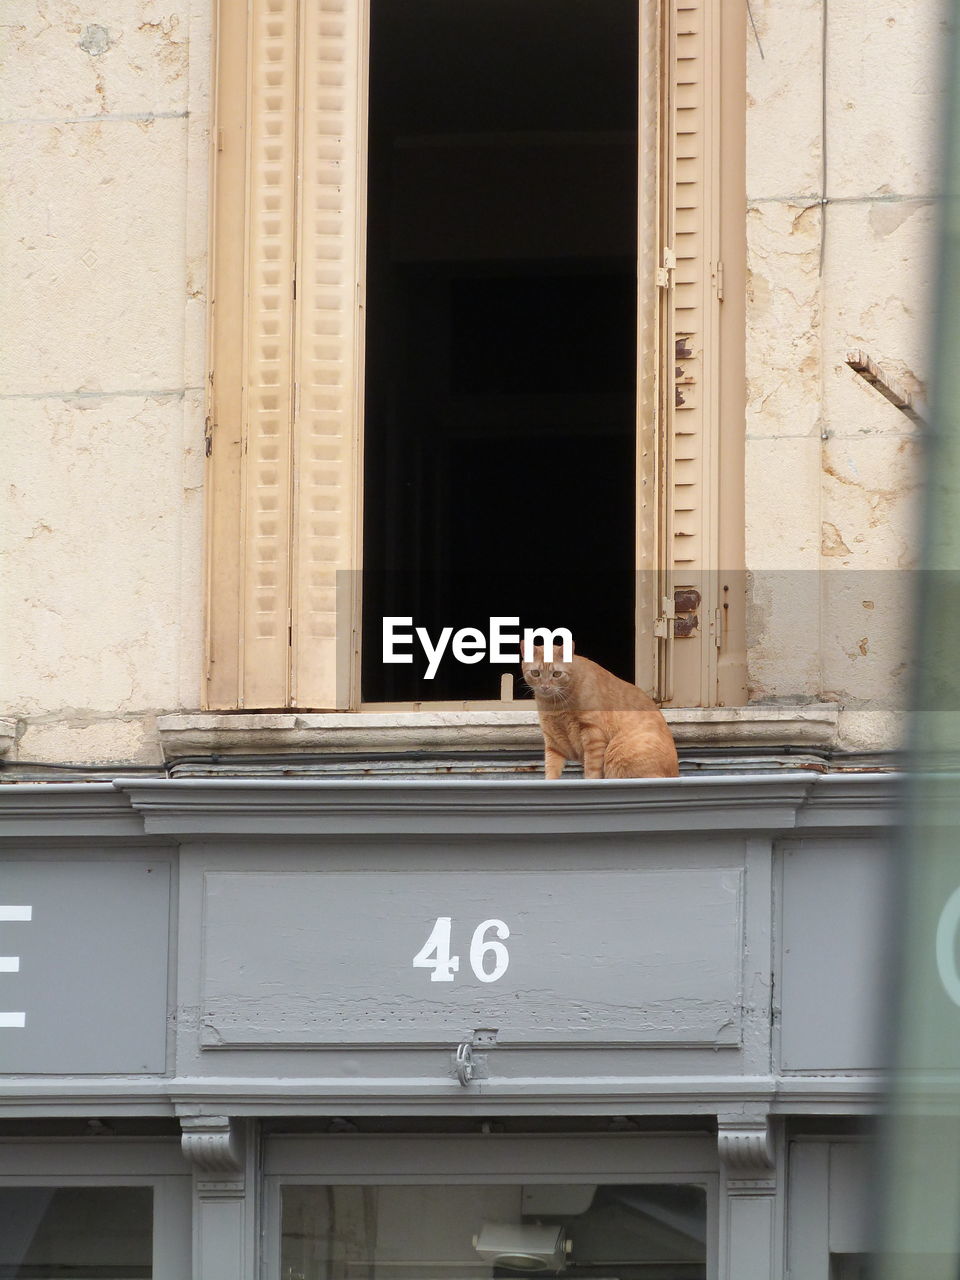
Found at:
<point>8,736</point>
<point>207,733</point>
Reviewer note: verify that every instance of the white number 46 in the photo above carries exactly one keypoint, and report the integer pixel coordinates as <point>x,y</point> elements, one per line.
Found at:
<point>435,952</point>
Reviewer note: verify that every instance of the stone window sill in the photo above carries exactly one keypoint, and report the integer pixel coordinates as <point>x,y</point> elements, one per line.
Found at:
<point>812,725</point>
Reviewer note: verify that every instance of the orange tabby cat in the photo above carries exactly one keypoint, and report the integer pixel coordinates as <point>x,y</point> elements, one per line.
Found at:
<point>590,715</point>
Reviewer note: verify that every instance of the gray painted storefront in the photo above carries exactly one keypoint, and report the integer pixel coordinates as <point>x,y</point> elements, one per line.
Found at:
<point>703,956</point>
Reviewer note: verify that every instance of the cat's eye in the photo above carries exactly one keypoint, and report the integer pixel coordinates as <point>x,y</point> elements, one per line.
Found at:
<point>535,672</point>
<point>557,675</point>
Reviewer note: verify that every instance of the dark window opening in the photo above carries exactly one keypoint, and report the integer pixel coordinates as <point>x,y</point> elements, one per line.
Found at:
<point>501,329</point>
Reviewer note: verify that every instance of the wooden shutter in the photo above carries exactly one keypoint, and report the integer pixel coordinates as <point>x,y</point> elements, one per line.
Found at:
<point>702,422</point>
<point>283,504</point>
<point>326,532</point>
<point>282,433</point>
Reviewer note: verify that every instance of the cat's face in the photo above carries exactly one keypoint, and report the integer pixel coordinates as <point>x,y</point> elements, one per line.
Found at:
<point>547,678</point>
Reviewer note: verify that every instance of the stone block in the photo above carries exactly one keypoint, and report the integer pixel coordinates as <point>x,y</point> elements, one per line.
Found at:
<point>783,321</point>
<point>66,60</point>
<point>885,88</point>
<point>99,576</point>
<point>95,276</point>
<point>783,100</point>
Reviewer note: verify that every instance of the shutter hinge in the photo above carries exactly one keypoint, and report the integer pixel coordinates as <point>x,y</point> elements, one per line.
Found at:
<point>290,627</point>
<point>208,425</point>
<point>718,280</point>
<point>219,139</point>
<point>664,278</point>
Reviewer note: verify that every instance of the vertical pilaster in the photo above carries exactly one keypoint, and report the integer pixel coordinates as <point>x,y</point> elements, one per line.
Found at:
<point>224,1201</point>
<point>751,1247</point>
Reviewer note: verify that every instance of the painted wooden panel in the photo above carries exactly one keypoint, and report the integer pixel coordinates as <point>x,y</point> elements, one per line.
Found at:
<point>647,957</point>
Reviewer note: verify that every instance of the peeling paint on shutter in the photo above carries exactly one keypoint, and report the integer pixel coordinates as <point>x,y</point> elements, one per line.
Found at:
<point>326,529</point>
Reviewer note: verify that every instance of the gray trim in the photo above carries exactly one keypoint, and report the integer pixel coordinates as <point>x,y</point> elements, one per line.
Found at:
<point>131,808</point>
<point>525,807</point>
<point>239,1096</point>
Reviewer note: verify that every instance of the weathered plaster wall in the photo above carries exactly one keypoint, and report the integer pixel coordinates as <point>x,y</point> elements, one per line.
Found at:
<point>832,468</point>
<point>103,125</point>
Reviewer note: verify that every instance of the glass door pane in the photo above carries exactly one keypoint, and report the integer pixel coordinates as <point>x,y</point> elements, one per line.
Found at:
<point>580,1232</point>
<point>76,1233</point>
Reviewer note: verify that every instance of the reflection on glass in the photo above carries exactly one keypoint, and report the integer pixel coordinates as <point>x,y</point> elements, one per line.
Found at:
<point>639,1232</point>
<point>76,1233</point>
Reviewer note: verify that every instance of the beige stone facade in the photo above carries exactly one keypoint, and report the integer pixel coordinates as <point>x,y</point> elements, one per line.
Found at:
<point>105,131</point>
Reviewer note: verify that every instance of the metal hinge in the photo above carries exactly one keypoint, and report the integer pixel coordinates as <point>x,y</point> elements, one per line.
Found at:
<point>208,425</point>
<point>718,281</point>
<point>661,627</point>
<point>717,628</point>
<point>664,278</point>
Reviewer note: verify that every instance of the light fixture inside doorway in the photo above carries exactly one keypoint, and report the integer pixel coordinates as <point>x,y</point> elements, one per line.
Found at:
<point>523,1246</point>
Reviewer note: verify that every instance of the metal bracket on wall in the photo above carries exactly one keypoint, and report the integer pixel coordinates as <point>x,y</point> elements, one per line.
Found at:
<point>214,1146</point>
<point>747,1153</point>
<point>463,1062</point>
<point>469,1066</point>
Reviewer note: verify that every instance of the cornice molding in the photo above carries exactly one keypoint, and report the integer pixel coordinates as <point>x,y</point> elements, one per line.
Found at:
<point>74,809</point>
<point>132,809</point>
<point>475,807</point>
<point>244,1096</point>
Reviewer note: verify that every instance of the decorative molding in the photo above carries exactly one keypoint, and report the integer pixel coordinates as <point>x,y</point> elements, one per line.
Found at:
<point>71,1096</point>
<point>746,1153</point>
<point>77,809</point>
<point>775,802</point>
<point>469,807</point>
<point>212,1145</point>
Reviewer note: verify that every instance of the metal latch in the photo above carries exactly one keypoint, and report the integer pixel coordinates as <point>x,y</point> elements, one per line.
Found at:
<point>681,610</point>
<point>661,627</point>
<point>664,279</point>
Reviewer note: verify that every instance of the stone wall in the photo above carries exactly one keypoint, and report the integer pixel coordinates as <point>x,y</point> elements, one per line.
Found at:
<point>104,127</point>
<point>105,121</point>
<point>832,467</point>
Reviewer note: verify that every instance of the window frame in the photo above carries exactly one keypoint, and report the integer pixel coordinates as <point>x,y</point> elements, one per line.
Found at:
<point>278,634</point>
<point>59,1162</point>
<point>486,1159</point>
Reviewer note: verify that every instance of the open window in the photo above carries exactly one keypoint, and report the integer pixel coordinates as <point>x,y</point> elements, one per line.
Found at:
<point>476,342</point>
